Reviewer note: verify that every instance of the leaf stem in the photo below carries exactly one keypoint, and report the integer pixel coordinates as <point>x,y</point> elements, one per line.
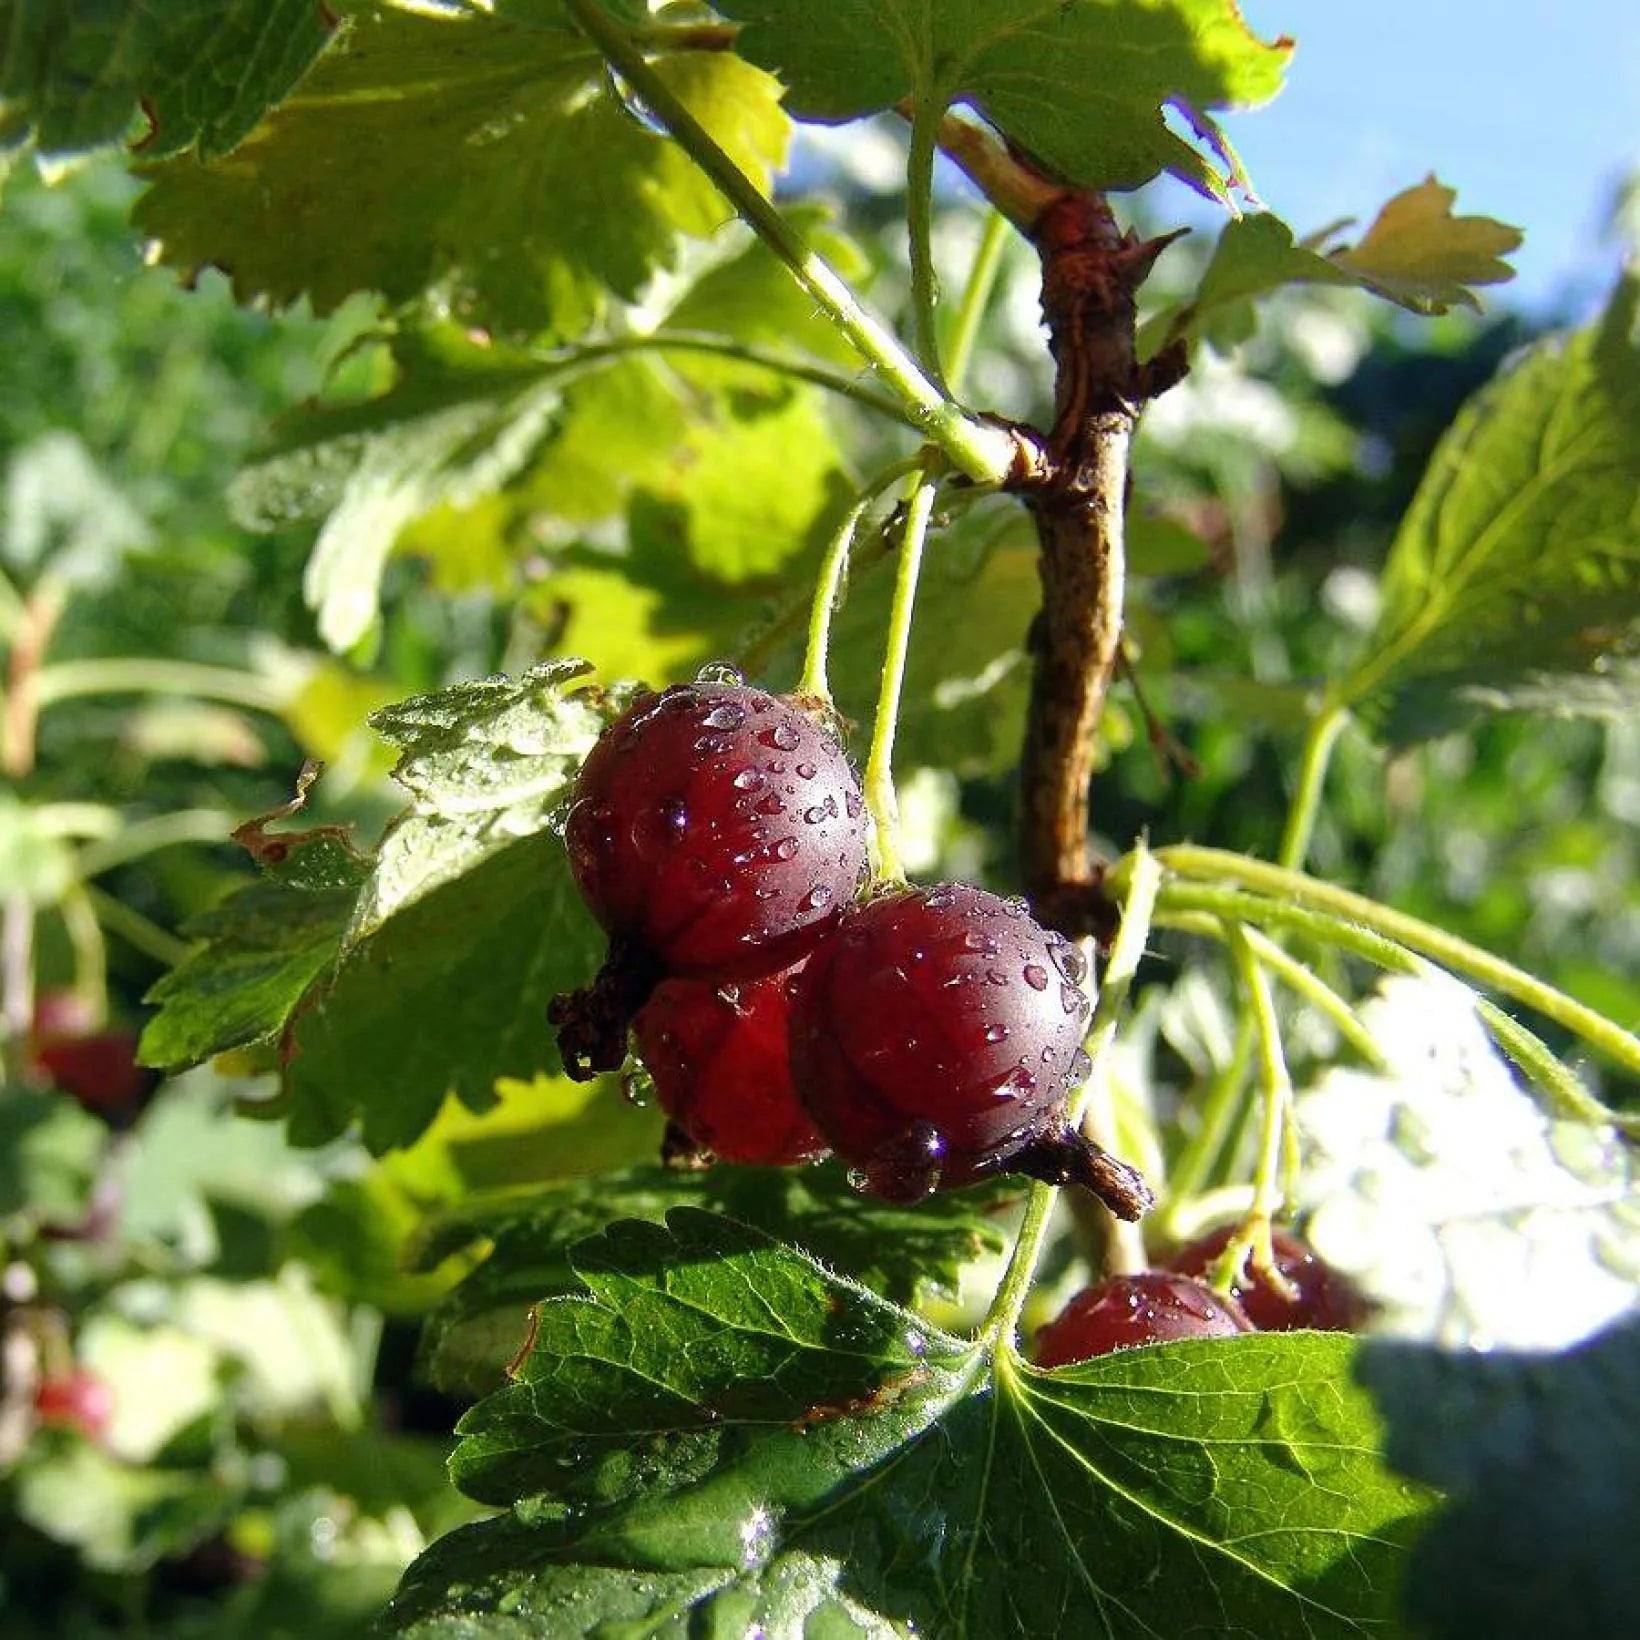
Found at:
<point>919,195</point>
<point>1281,884</point>
<point>1325,728</point>
<point>984,452</point>
<point>138,931</point>
<point>878,782</point>
<point>1143,883</point>
<point>142,837</point>
<point>748,353</point>
<point>976,298</point>
<point>66,680</point>
<point>828,585</point>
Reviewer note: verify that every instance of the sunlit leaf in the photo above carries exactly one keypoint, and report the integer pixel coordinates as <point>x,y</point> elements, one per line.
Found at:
<point>1082,88</point>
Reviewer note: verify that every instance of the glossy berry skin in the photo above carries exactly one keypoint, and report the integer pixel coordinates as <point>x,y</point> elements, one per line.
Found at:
<point>718,1057</point>
<point>718,830</point>
<point>1127,1311</point>
<point>1327,1301</point>
<point>76,1399</point>
<point>935,1034</point>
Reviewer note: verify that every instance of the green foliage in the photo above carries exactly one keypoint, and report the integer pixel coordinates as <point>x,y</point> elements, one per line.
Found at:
<point>1080,88</point>
<point>764,1443</point>
<point>1519,559</point>
<point>483,155</point>
<point>72,74</point>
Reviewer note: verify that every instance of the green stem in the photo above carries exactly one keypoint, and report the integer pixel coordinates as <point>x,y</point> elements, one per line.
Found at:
<point>1295,975</point>
<point>982,451</point>
<point>878,782</point>
<point>1197,1165</point>
<point>919,194</point>
<point>90,951</point>
<point>65,680</point>
<point>13,611</point>
<point>839,552</point>
<point>976,297</point>
<point>1277,882</point>
<point>137,930</point>
<point>1144,881</point>
<point>1276,1087</point>
<point>145,836</point>
<point>74,820</point>
<point>1325,728</point>
<point>748,353</point>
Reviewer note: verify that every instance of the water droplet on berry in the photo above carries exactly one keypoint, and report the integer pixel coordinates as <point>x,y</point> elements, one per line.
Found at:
<point>1072,1000</point>
<point>786,849</point>
<point>816,898</point>
<point>857,1179</point>
<point>1068,959</point>
<point>772,804</point>
<point>1014,906</point>
<point>726,715</point>
<point>748,780</point>
<point>721,672</point>
<point>974,940</point>
<point>783,737</point>
<point>1036,976</point>
<point>939,899</point>
<point>855,805</point>
<point>1022,1080</point>
<point>1081,1069</point>
<point>806,771</point>
<point>995,976</point>
<point>996,1033</point>
<point>821,811</point>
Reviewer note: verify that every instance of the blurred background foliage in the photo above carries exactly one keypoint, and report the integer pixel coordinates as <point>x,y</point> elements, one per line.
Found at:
<point>272,1458</point>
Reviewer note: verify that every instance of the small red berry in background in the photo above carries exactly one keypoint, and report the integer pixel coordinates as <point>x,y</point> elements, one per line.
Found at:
<point>718,1056</point>
<point>77,1399</point>
<point>1157,1307</point>
<point>1326,1300</point>
<point>98,1066</point>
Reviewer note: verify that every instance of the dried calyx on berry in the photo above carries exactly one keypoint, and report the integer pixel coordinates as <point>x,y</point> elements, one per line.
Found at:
<point>719,1060</point>
<point>716,832</point>
<point>936,1036</point>
<point>1156,1307</point>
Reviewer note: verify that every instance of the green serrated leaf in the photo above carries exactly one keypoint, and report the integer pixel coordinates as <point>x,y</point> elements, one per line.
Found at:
<point>73,72</point>
<point>1082,88</point>
<point>895,1251</point>
<point>1520,553</point>
<point>1415,253</point>
<point>443,997</point>
<point>479,152</point>
<point>720,1435</point>
<point>485,763</point>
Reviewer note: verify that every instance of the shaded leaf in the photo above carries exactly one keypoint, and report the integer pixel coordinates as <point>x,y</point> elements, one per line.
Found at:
<point>896,1251</point>
<point>1520,553</point>
<point>50,1153</point>
<point>72,72</point>
<point>1081,88</point>
<point>480,152</point>
<point>718,1433</point>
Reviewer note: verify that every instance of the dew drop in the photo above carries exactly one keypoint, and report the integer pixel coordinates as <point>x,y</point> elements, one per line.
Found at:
<point>783,737</point>
<point>806,771</point>
<point>816,899</point>
<point>976,940</point>
<point>855,805</point>
<point>1081,1068</point>
<point>748,780</point>
<point>711,745</point>
<point>939,899</point>
<point>1022,1080</point>
<point>1072,1000</point>
<point>772,804</point>
<point>915,1343</point>
<point>1068,959</point>
<point>721,672</point>
<point>858,1179</point>
<point>996,1033</point>
<point>786,848</point>
<point>1014,906</point>
<point>995,976</point>
<point>1036,976</point>
<point>726,715</point>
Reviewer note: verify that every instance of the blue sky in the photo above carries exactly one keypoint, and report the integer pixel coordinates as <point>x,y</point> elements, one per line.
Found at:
<point>1529,108</point>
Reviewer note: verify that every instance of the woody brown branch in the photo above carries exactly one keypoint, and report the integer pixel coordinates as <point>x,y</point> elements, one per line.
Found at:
<point>1091,274</point>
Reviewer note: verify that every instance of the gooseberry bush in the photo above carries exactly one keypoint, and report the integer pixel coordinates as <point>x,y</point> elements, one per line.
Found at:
<point>806,1200</point>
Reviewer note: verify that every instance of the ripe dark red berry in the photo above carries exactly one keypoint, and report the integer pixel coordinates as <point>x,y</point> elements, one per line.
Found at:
<point>935,1037</point>
<point>1326,1301</point>
<point>715,832</point>
<point>76,1399</point>
<point>718,1058</point>
<point>99,1068</point>
<point>1126,1311</point>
